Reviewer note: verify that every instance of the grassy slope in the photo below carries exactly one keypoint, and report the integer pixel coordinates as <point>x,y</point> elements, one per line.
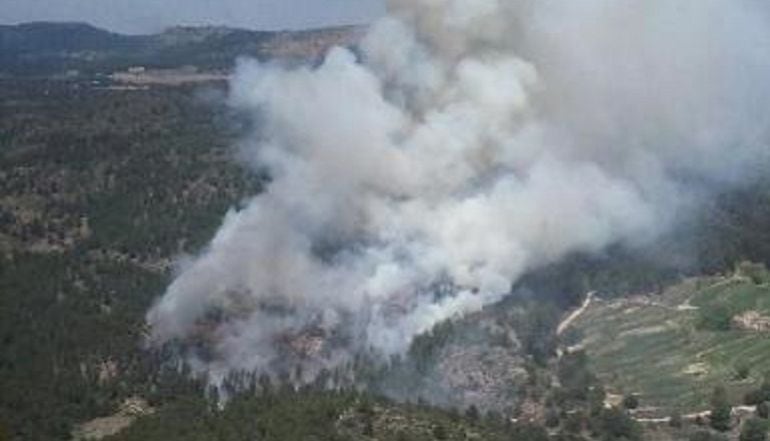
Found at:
<point>656,348</point>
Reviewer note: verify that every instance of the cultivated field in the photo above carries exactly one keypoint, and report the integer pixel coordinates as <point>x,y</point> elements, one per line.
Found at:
<point>674,348</point>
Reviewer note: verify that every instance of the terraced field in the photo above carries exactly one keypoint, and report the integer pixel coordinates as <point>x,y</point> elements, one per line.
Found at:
<point>672,349</point>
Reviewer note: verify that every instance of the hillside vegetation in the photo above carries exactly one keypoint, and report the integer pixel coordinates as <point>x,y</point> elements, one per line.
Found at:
<point>99,190</point>
<point>103,187</point>
<point>672,349</point>
<point>55,48</point>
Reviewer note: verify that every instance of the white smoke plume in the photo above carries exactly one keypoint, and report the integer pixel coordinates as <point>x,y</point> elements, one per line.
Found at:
<point>469,142</point>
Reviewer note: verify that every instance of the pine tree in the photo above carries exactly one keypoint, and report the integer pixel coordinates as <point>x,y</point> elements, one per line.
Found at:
<point>721,410</point>
<point>754,430</point>
<point>763,410</point>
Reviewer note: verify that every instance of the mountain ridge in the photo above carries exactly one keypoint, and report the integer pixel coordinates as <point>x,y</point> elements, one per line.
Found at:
<point>47,48</point>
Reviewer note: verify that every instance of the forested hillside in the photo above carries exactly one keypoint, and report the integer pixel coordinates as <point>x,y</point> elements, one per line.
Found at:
<point>56,48</point>
<point>100,189</point>
<point>103,188</point>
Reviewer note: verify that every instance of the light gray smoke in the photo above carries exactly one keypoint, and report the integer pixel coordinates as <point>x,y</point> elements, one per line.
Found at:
<point>473,141</point>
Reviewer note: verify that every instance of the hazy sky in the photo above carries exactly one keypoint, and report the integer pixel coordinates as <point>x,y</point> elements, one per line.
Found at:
<point>136,16</point>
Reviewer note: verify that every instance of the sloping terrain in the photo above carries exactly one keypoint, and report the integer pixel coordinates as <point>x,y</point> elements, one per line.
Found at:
<point>55,48</point>
<point>99,190</point>
<point>289,415</point>
<point>672,349</point>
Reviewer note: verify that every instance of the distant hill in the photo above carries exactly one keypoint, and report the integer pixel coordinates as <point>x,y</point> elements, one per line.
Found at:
<point>41,37</point>
<point>43,48</point>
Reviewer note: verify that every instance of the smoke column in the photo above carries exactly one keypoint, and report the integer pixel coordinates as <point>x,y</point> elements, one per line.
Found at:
<point>469,142</point>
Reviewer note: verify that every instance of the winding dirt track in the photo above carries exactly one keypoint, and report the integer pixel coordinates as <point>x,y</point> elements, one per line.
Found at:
<point>574,315</point>
<point>692,416</point>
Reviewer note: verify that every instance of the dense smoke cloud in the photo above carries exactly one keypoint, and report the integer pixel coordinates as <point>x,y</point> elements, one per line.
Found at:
<point>472,142</point>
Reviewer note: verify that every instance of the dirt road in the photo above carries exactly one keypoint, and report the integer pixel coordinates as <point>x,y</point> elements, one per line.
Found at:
<point>574,315</point>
